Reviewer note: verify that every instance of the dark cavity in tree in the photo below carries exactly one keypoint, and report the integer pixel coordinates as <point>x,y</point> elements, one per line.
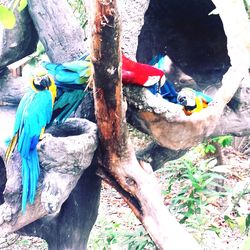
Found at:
<point>194,40</point>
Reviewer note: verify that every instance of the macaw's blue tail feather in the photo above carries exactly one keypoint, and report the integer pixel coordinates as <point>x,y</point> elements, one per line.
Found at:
<point>34,175</point>
<point>25,183</point>
<point>67,104</point>
<point>30,175</point>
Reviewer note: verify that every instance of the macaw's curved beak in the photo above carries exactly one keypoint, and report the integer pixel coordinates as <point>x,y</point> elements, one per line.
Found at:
<point>182,100</point>
<point>41,82</point>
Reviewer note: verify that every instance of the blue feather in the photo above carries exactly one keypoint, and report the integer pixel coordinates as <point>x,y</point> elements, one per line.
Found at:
<point>71,79</point>
<point>33,114</point>
<point>75,72</point>
<point>204,96</point>
<point>66,104</point>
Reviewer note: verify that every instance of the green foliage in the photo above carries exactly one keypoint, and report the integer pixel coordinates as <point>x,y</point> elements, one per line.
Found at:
<point>7,17</point>
<point>238,216</point>
<point>195,186</point>
<point>224,141</point>
<point>114,235</point>
<point>22,5</point>
<point>209,145</point>
<point>79,10</point>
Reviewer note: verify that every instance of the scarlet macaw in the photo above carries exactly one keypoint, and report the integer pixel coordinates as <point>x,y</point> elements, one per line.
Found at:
<point>148,76</point>
<point>192,100</point>
<point>33,114</point>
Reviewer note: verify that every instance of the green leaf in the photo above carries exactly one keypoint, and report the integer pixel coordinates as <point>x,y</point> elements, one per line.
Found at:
<point>248,222</point>
<point>215,229</point>
<point>210,149</point>
<point>7,17</point>
<point>241,221</point>
<point>230,222</point>
<point>22,5</point>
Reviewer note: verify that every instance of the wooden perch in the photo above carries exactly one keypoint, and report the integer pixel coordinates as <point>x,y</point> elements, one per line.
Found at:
<point>118,157</point>
<point>64,154</point>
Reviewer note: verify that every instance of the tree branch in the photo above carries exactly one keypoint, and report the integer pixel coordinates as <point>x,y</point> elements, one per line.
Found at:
<point>58,30</point>
<point>118,156</point>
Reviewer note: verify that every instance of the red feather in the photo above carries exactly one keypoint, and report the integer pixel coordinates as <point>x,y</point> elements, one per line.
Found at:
<point>139,73</point>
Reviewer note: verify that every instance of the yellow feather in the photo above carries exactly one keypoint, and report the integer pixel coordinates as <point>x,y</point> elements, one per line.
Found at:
<point>42,132</point>
<point>199,104</point>
<point>52,89</point>
<point>11,148</point>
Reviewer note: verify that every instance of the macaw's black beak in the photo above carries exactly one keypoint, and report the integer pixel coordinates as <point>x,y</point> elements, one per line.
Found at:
<point>41,83</point>
<point>45,82</point>
<point>182,100</point>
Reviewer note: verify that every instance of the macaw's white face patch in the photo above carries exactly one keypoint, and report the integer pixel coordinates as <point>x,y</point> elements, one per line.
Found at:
<point>186,97</point>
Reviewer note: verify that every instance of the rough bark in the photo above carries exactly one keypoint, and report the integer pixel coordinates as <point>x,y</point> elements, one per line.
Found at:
<point>12,88</point>
<point>118,157</point>
<point>58,30</point>
<point>19,41</point>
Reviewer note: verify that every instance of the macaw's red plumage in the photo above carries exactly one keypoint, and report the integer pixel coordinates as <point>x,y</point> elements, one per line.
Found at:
<point>141,74</point>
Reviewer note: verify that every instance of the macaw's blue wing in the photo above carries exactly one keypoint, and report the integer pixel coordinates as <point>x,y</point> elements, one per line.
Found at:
<point>12,142</point>
<point>75,72</point>
<point>167,91</point>
<point>161,61</point>
<point>33,114</point>
<point>66,103</point>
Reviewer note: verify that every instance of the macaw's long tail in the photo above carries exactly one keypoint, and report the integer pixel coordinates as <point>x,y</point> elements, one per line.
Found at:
<point>30,174</point>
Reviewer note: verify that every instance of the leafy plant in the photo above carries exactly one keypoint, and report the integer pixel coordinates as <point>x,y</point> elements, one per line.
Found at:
<point>7,16</point>
<point>79,10</point>
<point>237,215</point>
<point>223,141</point>
<point>113,235</point>
<point>195,186</point>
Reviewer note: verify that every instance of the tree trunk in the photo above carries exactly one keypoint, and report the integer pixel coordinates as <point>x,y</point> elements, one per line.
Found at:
<point>120,166</point>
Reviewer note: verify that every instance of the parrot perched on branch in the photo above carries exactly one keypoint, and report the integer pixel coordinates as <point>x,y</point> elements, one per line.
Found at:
<point>71,80</point>
<point>192,100</point>
<point>148,76</point>
<point>33,114</point>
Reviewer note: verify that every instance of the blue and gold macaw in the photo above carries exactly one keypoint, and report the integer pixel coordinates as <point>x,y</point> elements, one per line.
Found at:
<point>192,100</point>
<point>33,114</point>
<point>71,79</point>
